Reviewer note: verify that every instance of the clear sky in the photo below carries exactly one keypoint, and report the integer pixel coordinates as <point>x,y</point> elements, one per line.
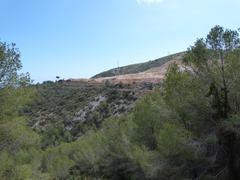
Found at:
<point>79,38</point>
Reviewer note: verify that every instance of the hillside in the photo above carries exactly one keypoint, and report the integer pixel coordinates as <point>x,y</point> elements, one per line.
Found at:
<point>148,72</point>
<point>77,105</point>
<point>139,125</point>
<point>137,68</point>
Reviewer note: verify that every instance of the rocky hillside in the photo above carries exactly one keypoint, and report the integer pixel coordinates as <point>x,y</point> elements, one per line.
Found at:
<point>143,125</point>
<point>80,107</point>
<point>80,104</point>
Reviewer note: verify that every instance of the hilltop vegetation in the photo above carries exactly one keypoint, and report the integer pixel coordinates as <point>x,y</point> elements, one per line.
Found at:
<point>187,128</point>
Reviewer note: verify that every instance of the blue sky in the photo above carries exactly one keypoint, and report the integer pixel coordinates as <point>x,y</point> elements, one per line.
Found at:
<point>79,38</point>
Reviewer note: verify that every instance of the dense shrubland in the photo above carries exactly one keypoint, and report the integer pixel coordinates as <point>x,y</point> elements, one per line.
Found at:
<point>63,112</point>
<point>186,129</point>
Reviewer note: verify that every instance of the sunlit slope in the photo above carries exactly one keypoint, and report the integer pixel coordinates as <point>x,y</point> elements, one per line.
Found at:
<point>141,67</point>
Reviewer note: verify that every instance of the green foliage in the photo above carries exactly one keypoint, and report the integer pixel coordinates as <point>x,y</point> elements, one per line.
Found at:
<point>148,116</point>
<point>10,64</point>
<point>117,152</point>
<point>173,140</point>
<point>56,162</point>
<point>18,158</point>
<point>17,140</point>
<point>104,153</point>
<point>13,100</point>
<point>16,136</point>
<point>187,129</point>
<point>52,111</point>
<point>22,165</point>
<point>148,161</point>
<point>211,59</point>
<point>14,132</point>
<point>55,135</point>
<point>186,95</point>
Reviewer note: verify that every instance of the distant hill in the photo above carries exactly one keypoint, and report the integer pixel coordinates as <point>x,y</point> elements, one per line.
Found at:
<point>141,67</point>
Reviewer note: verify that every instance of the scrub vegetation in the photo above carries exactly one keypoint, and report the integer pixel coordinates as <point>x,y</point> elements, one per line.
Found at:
<point>186,128</point>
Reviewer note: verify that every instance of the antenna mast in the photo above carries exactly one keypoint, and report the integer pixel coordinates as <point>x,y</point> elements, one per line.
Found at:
<point>118,68</point>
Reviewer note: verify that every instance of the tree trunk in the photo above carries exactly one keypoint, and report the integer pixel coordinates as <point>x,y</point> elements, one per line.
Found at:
<point>225,89</point>
<point>229,154</point>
